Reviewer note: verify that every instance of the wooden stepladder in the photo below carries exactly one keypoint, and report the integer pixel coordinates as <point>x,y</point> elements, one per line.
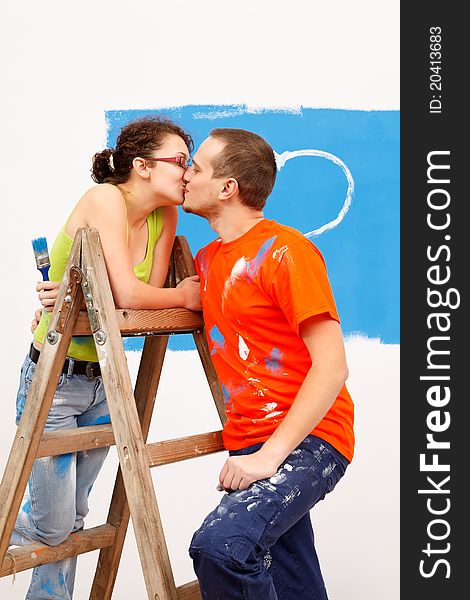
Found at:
<point>130,410</point>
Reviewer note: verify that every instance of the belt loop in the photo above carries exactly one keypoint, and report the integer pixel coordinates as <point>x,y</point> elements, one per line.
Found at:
<point>70,368</point>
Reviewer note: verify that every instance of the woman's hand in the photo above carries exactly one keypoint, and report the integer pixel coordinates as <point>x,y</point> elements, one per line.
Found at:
<point>191,292</point>
<point>47,293</point>
<point>35,321</point>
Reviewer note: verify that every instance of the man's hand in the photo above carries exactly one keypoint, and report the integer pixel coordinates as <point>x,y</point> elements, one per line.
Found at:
<point>239,472</point>
<point>47,293</point>
<point>192,292</point>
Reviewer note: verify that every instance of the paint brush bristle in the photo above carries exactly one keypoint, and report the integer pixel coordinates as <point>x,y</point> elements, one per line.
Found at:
<point>41,254</point>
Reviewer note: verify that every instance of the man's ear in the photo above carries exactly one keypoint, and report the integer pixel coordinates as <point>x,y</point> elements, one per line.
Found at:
<point>229,190</point>
<point>141,167</point>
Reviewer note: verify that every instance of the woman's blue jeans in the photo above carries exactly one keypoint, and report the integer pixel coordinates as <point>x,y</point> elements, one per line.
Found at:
<point>258,544</point>
<point>56,501</point>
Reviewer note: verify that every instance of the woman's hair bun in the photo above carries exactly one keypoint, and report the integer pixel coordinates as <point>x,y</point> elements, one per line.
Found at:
<point>102,169</point>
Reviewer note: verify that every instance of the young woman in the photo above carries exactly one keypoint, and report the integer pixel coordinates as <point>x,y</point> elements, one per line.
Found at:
<point>134,208</point>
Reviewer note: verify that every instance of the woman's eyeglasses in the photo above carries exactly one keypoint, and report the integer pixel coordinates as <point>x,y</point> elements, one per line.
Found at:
<point>181,161</point>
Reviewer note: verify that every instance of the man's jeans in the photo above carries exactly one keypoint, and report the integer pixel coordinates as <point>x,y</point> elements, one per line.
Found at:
<point>56,501</point>
<point>258,543</point>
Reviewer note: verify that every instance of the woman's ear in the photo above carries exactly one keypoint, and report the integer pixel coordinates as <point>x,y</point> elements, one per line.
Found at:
<point>141,167</point>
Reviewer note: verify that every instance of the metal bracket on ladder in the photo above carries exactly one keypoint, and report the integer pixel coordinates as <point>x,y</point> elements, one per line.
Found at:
<point>131,412</point>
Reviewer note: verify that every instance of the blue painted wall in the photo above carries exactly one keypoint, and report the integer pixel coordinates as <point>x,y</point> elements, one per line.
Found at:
<point>362,251</point>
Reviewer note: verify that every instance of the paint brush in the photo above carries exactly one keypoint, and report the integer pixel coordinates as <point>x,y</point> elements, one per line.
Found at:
<point>41,254</point>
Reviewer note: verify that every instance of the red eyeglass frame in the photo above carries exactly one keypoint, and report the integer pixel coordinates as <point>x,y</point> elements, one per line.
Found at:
<point>181,161</point>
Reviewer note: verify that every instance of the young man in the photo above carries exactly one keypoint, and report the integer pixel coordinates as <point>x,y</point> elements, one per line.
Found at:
<point>277,346</point>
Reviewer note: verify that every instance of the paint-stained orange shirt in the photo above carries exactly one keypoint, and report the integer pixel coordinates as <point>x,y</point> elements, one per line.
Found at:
<point>256,290</point>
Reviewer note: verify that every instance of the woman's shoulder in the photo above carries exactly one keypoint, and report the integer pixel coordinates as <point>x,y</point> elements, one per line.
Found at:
<point>101,202</point>
<point>102,196</point>
<point>103,191</point>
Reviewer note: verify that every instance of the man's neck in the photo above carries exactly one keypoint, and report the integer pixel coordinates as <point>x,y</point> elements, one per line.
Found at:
<point>234,224</point>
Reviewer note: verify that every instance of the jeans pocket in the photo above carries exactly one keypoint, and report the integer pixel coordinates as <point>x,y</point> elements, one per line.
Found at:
<point>251,540</point>
<point>30,370</point>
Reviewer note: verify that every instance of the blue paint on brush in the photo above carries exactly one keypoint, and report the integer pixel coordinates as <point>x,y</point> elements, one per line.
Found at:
<point>41,254</point>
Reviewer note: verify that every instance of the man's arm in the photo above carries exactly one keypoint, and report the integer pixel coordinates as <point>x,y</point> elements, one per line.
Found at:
<point>323,338</point>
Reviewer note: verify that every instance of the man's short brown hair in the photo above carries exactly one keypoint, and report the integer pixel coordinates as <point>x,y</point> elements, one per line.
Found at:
<point>249,159</point>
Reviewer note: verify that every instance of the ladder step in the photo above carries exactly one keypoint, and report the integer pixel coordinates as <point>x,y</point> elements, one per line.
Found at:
<point>189,591</point>
<point>22,558</point>
<point>170,451</point>
<point>74,440</point>
<point>100,436</point>
<point>145,322</point>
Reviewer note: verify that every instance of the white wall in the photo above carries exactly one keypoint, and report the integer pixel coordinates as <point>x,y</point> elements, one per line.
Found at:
<point>63,65</point>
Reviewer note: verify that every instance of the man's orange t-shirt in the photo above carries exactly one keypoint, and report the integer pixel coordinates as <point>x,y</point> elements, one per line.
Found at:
<point>256,290</point>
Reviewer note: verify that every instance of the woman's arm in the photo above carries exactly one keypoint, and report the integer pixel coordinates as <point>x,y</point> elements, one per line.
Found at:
<point>104,209</point>
<point>164,246</point>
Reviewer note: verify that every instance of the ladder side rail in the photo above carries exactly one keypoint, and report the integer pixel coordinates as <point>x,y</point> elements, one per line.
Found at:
<point>39,401</point>
<point>147,381</point>
<point>184,267</point>
<point>130,445</point>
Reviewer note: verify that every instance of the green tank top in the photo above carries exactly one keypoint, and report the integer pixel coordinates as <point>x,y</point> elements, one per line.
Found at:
<point>83,347</point>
